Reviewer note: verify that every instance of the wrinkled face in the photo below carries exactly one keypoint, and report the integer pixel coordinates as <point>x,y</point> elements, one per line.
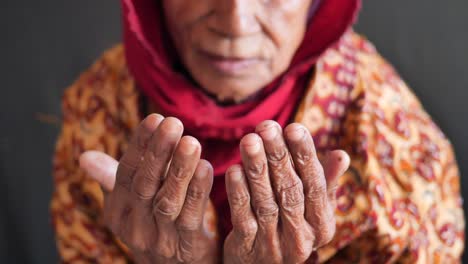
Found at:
<point>234,48</point>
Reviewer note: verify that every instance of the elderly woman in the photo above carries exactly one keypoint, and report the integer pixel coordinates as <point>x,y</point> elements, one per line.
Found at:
<point>250,132</point>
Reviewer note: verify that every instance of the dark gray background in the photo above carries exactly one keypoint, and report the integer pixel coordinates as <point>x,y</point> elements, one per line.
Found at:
<point>45,44</point>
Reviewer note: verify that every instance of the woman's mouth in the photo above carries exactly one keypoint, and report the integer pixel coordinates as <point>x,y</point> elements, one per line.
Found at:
<point>230,65</point>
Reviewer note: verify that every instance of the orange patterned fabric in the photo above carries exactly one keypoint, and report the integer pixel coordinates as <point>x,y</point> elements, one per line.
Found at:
<point>398,203</point>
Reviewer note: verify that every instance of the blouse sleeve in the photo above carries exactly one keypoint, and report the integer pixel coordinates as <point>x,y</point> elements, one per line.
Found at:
<point>404,176</point>
<point>91,121</point>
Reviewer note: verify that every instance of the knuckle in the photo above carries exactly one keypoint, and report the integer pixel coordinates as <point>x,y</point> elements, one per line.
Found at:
<point>264,200</point>
<point>142,192</point>
<point>165,208</point>
<point>179,172</point>
<point>304,157</point>
<point>186,252</point>
<point>278,155</point>
<point>148,175</point>
<point>148,171</point>
<point>189,225</point>
<point>195,195</point>
<point>292,198</point>
<point>141,195</point>
<point>256,170</point>
<point>267,212</point>
<point>247,228</point>
<point>240,201</point>
<point>317,187</point>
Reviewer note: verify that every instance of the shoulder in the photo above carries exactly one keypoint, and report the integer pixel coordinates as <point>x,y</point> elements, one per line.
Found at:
<point>402,163</point>
<point>101,107</point>
<point>386,102</point>
<point>109,66</point>
<point>353,80</point>
<point>407,154</point>
<point>106,78</point>
<point>378,80</point>
<point>384,119</point>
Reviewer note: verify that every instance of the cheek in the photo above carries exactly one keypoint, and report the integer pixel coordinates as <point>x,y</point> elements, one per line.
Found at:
<point>181,16</point>
<point>286,26</point>
<point>286,19</point>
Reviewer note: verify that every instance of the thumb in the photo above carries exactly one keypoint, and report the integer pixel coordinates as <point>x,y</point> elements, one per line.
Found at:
<point>101,167</point>
<point>336,163</point>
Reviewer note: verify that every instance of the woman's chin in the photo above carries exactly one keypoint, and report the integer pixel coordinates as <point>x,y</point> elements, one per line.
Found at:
<point>228,90</point>
<point>232,94</point>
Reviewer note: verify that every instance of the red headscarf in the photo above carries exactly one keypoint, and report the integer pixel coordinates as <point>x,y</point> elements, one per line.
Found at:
<point>150,59</point>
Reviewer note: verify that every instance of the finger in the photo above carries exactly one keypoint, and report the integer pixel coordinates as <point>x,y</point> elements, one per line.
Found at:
<point>170,199</point>
<point>289,193</point>
<point>156,159</point>
<point>288,186</point>
<point>101,167</point>
<point>190,221</point>
<point>336,163</point>
<point>116,205</point>
<point>256,171</point>
<point>318,210</point>
<point>244,224</point>
<point>196,200</point>
<point>136,149</point>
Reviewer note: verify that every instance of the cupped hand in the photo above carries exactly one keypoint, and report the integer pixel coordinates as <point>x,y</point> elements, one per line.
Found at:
<point>282,199</point>
<point>156,196</point>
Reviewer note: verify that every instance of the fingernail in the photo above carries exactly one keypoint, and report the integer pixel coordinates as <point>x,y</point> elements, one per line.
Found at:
<point>235,174</point>
<point>269,132</point>
<point>296,134</point>
<point>254,148</point>
<point>190,146</point>
<point>171,125</point>
<point>251,143</point>
<point>205,170</point>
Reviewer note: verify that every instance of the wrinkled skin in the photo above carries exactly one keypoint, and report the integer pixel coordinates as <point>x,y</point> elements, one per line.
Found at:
<point>156,196</point>
<point>282,199</point>
<point>233,48</point>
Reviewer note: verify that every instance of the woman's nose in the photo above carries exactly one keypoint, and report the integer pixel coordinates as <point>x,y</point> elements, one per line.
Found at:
<point>236,18</point>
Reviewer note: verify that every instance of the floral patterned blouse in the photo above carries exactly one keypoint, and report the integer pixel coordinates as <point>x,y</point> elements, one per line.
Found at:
<point>398,203</point>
